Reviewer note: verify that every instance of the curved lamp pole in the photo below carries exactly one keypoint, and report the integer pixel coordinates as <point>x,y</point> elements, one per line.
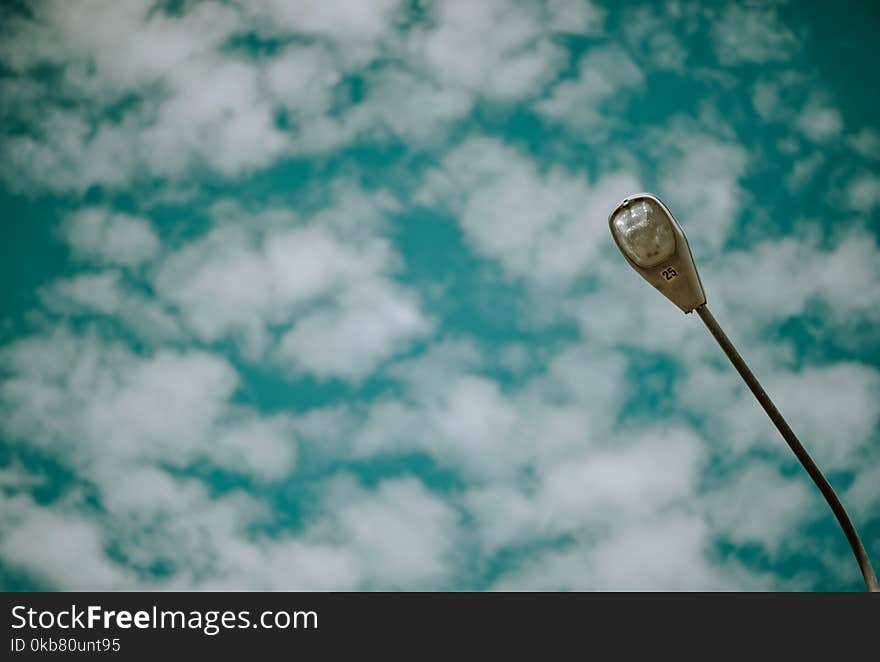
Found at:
<point>655,246</point>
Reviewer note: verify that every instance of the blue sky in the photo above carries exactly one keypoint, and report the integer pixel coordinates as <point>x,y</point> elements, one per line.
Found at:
<point>321,294</point>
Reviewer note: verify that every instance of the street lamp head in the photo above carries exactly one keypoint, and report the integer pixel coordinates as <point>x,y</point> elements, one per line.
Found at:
<point>655,246</point>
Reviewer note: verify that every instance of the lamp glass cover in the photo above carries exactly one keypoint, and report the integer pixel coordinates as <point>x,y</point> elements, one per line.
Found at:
<point>644,232</point>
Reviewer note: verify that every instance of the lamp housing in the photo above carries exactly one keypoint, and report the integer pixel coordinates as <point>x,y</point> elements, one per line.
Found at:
<point>656,247</point>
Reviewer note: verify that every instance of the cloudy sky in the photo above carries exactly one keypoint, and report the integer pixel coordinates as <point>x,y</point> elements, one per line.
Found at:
<point>319,294</point>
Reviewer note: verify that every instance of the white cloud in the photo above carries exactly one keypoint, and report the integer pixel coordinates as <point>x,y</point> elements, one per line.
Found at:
<point>302,77</point>
<point>217,115</point>
<point>189,104</point>
<point>404,536</point>
<point>125,44</point>
<point>409,106</point>
<point>449,64</point>
<point>107,294</point>
<point>108,237</point>
<point>397,535</point>
<point>623,312</point>
<point>488,48</point>
<point>133,428</point>
<point>666,555</point>
<point>766,99</point>
<point>866,143</point>
<point>328,292</point>
<point>92,292</point>
<point>863,192</point>
<point>788,96</point>
<point>761,506</point>
<point>221,285</point>
<point>472,428</point>
<point>752,35</point>
<point>545,462</point>
<point>820,122</point>
<point>863,495</point>
<point>367,324</point>
<point>77,396</point>
<point>63,157</point>
<point>803,172</point>
<point>363,23</point>
<point>700,181</point>
<point>59,547</point>
<point>466,421</point>
<point>776,280</point>
<point>175,521</point>
<point>837,408</point>
<point>669,554</point>
<point>145,93</point>
<point>833,409</point>
<point>575,16</point>
<point>397,101</point>
<point>592,492</point>
<point>15,476</point>
<point>605,73</point>
<point>544,226</point>
<point>655,37</point>
<point>263,446</point>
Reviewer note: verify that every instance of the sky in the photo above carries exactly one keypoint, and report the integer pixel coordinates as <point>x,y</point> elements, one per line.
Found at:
<point>320,295</point>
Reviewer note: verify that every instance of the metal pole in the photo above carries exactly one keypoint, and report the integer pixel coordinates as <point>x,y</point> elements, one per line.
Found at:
<point>821,482</point>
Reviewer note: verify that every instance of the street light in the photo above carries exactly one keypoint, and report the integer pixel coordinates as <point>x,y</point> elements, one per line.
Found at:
<point>655,246</point>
